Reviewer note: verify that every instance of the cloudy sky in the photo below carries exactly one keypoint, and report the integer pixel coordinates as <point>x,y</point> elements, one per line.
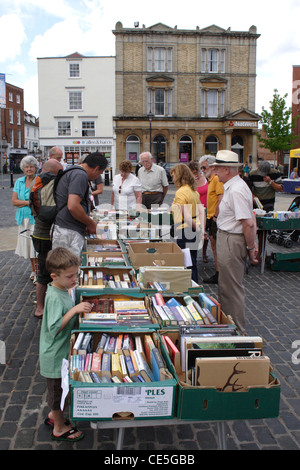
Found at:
<point>50,28</point>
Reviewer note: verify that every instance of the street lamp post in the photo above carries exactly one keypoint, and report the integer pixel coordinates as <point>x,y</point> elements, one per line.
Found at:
<point>150,117</point>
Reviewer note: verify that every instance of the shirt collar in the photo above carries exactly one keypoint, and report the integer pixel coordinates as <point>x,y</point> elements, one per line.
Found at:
<point>230,182</point>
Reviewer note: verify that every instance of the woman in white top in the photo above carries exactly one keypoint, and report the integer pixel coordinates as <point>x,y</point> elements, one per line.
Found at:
<point>127,189</point>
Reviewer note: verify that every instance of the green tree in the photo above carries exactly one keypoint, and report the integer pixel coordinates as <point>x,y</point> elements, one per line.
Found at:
<point>278,125</point>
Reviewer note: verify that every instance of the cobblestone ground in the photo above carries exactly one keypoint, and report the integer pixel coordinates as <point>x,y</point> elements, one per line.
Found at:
<point>273,311</point>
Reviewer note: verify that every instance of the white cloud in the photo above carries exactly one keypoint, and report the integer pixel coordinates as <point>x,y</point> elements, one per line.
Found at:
<point>17,67</point>
<point>12,36</point>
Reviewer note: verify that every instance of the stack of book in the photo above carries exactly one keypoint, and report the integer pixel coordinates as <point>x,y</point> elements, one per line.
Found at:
<point>173,313</point>
<point>116,312</point>
<point>96,277</point>
<point>118,357</point>
<point>97,248</point>
<point>215,342</point>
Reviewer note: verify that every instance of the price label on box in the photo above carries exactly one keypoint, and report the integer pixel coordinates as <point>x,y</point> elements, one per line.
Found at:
<point>104,402</point>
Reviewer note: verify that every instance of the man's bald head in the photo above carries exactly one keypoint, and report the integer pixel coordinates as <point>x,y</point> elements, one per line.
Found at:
<point>56,153</point>
<point>52,165</point>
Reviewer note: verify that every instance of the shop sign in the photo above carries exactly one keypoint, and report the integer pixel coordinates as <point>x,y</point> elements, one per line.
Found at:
<point>243,124</point>
<point>93,142</point>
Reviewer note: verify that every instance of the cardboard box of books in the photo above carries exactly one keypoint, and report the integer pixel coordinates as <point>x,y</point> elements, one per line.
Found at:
<point>105,259</point>
<point>120,375</point>
<point>221,375</point>
<point>173,310</point>
<point>155,253</point>
<point>120,277</point>
<point>111,310</point>
<point>96,245</point>
<point>167,279</point>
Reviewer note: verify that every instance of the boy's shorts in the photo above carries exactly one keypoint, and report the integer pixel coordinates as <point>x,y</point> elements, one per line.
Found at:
<point>54,393</point>
<point>42,247</point>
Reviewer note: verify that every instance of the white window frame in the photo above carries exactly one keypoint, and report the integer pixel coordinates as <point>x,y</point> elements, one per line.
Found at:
<point>18,117</point>
<point>11,115</point>
<point>18,99</point>
<point>64,130</point>
<point>79,101</point>
<point>213,60</point>
<point>74,74</point>
<point>154,103</point>
<point>159,59</point>
<point>91,128</point>
<point>212,103</point>
<point>10,97</point>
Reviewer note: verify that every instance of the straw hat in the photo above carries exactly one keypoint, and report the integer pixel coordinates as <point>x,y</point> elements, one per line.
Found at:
<point>227,158</point>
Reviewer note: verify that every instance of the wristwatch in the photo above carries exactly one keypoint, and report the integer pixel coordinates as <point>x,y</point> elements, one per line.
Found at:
<point>250,249</point>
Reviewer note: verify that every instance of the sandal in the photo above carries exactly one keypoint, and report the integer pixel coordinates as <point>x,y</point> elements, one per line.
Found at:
<point>66,436</point>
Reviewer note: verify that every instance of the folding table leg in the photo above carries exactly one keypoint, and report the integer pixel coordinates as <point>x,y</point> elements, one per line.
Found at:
<point>221,435</point>
<point>120,438</point>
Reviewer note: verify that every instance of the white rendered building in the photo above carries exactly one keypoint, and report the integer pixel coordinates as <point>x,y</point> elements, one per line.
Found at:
<point>76,105</point>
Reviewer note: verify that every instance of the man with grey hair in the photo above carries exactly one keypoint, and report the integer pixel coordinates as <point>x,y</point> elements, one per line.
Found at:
<point>56,153</point>
<point>265,182</point>
<point>214,197</point>
<point>154,181</point>
<point>236,236</point>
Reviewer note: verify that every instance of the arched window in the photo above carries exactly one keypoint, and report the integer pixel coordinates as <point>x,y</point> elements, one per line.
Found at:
<point>211,145</point>
<point>132,148</point>
<point>185,148</point>
<point>159,148</point>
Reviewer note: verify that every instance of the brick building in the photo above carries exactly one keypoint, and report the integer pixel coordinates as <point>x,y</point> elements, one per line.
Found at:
<point>184,93</point>
<point>12,123</point>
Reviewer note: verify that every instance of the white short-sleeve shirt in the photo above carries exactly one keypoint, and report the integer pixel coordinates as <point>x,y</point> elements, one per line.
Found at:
<point>236,205</point>
<point>124,193</point>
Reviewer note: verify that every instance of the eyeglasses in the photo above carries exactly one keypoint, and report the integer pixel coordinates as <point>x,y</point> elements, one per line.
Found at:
<point>203,168</point>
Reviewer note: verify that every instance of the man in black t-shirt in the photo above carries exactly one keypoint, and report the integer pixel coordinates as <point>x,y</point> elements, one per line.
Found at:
<point>72,196</point>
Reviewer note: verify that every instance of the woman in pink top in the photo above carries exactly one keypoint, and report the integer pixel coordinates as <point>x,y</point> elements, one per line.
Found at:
<point>202,187</point>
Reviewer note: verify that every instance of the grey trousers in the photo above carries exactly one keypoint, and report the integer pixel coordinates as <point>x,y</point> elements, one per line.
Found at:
<point>231,254</point>
<point>67,239</point>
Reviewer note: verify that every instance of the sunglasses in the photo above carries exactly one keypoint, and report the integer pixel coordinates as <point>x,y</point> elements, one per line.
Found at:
<point>203,168</point>
<point>120,189</point>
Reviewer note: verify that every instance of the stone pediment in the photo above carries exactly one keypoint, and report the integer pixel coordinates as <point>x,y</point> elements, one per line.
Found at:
<point>160,27</point>
<point>213,29</point>
<point>159,78</point>
<point>243,114</point>
<point>213,79</point>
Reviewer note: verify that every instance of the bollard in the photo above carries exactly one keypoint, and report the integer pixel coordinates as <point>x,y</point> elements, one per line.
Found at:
<point>11,179</point>
<point>106,177</point>
<point>2,353</point>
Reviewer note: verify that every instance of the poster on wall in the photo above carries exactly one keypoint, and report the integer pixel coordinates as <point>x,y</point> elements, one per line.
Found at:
<point>184,157</point>
<point>132,156</point>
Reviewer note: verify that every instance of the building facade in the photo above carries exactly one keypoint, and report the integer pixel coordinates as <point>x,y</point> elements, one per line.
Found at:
<point>184,93</point>
<point>31,133</point>
<point>76,105</point>
<point>12,128</point>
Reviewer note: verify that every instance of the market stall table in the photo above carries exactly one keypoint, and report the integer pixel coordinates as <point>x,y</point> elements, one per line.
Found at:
<point>270,223</point>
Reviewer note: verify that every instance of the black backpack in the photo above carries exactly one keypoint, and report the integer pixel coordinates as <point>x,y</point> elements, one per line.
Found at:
<point>42,200</point>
